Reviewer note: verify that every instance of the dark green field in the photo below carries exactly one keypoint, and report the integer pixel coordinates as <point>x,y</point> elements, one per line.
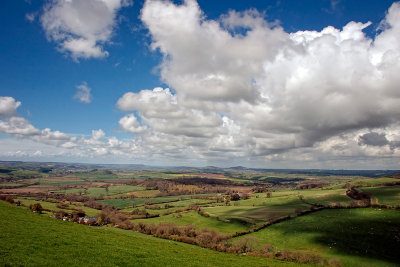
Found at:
<point>357,237</point>
<point>388,195</point>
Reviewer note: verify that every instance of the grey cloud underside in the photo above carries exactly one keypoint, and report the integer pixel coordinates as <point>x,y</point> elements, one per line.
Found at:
<point>377,140</point>
<point>374,139</point>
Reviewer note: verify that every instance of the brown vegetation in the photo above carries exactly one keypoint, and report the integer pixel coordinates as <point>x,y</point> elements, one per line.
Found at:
<point>6,198</point>
<point>91,203</point>
<point>364,198</point>
<point>62,204</point>
<point>36,208</point>
<point>188,234</point>
<point>142,214</point>
<point>111,216</point>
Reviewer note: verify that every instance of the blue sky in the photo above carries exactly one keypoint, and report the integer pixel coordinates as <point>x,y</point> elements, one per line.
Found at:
<point>247,80</point>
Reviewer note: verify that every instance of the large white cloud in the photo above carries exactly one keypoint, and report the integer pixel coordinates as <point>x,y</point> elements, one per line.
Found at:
<point>204,60</point>
<point>81,27</point>
<point>282,91</point>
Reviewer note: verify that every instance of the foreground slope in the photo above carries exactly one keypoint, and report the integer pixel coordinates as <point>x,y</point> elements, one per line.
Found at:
<point>35,240</point>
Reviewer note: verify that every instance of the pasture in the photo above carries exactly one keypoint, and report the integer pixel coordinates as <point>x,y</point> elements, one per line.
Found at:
<point>326,197</point>
<point>104,190</point>
<point>258,210</point>
<point>387,195</point>
<point>28,239</point>
<point>357,237</point>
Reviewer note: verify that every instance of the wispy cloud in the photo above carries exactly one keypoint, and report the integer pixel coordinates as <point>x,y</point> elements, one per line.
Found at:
<point>334,7</point>
<point>83,93</point>
<point>30,17</point>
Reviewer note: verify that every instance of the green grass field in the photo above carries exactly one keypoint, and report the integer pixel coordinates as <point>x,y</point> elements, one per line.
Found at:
<point>357,237</point>
<point>364,182</point>
<point>148,174</point>
<point>326,197</point>
<point>54,181</point>
<point>11,184</point>
<point>28,239</point>
<point>146,193</point>
<point>165,199</point>
<point>20,173</point>
<point>122,203</point>
<point>173,206</point>
<point>97,191</point>
<point>187,202</point>
<point>258,210</point>
<point>387,195</point>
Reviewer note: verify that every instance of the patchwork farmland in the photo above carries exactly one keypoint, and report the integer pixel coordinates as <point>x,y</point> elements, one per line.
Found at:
<point>274,218</point>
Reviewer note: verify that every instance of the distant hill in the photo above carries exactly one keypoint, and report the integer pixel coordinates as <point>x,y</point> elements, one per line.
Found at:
<point>322,172</point>
<point>60,166</point>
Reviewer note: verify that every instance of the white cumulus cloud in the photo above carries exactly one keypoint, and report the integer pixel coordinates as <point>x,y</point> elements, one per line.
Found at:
<point>8,105</point>
<point>81,28</point>
<point>283,90</point>
<point>129,123</point>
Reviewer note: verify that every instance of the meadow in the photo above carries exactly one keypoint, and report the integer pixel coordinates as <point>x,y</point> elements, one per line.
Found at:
<point>104,191</point>
<point>28,239</point>
<point>357,237</point>
<point>388,195</point>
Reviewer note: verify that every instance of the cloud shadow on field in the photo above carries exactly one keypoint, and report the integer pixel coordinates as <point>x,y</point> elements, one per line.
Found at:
<point>370,235</point>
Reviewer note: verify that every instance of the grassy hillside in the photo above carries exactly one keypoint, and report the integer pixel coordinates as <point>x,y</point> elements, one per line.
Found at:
<point>28,239</point>
<point>357,237</point>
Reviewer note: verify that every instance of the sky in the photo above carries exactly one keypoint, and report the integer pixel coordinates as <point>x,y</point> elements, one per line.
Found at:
<point>258,83</point>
